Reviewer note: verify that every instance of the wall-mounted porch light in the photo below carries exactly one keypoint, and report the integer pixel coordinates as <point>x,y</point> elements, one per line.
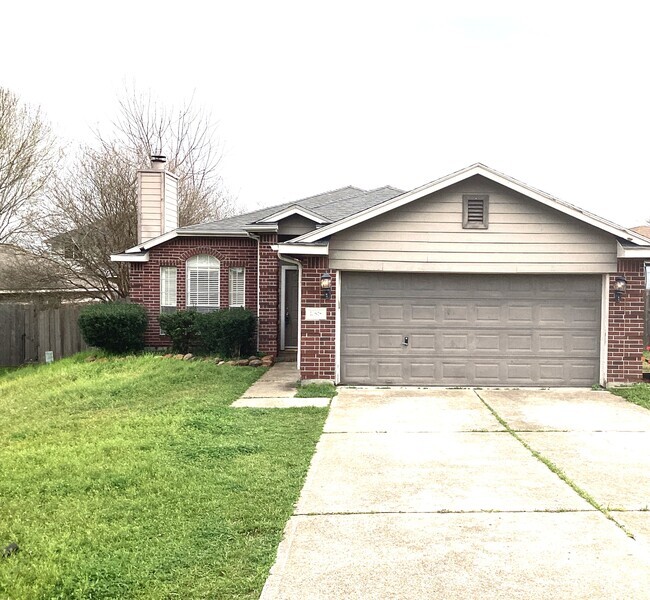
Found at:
<point>326,285</point>
<point>620,287</point>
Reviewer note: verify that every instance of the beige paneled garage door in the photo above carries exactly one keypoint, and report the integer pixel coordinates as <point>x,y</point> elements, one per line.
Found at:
<point>513,330</point>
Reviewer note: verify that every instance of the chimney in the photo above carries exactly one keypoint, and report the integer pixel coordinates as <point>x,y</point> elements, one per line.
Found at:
<point>157,200</point>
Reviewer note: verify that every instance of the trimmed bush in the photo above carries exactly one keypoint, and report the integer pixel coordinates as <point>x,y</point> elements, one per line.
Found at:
<point>228,332</point>
<point>182,327</point>
<point>114,326</point>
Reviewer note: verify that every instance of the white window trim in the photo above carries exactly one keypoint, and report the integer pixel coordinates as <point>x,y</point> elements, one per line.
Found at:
<point>231,279</point>
<point>212,266</point>
<point>168,287</point>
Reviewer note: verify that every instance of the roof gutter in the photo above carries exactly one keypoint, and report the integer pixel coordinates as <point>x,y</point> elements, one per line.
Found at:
<point>289,249</point>
<point>632,252</point>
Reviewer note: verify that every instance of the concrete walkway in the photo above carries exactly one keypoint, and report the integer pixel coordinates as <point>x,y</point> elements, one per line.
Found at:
<point>277,389</point>
<point>435,494</point>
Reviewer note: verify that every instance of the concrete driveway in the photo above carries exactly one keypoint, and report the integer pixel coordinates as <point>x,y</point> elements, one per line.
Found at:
<point>473,494</point>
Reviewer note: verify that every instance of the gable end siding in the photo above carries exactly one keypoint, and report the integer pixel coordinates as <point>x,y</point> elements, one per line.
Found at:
<point>523,236</point>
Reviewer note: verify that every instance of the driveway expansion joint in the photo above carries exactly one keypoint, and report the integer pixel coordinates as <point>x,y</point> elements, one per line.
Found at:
<point>556,470</point>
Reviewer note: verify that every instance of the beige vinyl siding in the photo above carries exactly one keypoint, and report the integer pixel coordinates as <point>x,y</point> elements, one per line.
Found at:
<point>150,204</point>
<point>295,225</point>
<point>523,236</point>
<point>171,203</point>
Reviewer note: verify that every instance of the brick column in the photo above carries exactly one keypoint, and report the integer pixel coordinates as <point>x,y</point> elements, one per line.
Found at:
<point>626,324</point>
<point>268,318</point>
<point>317,338</point>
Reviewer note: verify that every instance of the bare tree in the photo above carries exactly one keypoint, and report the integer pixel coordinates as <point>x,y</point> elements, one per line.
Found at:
<point>27,158</point>
<point>187,137</point>
<point>92,208</point>
<point>90,215</point>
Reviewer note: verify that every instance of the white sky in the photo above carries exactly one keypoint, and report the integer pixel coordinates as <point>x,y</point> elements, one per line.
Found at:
<point>314,96</point>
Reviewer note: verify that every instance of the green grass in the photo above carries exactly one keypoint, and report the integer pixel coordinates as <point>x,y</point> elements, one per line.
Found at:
<point>316,390</point>
<point>132,478</point>
<point>639,394</point>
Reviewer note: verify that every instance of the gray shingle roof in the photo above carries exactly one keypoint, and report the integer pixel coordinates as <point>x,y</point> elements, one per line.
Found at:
<point>331,206</point>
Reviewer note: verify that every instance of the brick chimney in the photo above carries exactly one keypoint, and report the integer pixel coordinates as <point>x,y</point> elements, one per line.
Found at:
<point>157,200</point>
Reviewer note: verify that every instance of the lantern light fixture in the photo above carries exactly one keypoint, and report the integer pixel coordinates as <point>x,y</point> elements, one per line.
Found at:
<point>326,285</point>
<point>620,287</point>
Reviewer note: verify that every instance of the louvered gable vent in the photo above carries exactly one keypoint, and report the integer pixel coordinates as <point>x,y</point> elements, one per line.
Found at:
<point>475,211</point>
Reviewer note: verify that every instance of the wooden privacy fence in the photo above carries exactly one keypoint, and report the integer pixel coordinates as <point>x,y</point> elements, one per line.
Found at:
<point>28,331</point>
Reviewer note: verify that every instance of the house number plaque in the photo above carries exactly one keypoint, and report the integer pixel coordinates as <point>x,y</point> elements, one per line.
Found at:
<point>315,314</point>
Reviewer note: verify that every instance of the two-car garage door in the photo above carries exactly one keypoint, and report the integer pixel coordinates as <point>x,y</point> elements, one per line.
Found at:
<point>513,330</point>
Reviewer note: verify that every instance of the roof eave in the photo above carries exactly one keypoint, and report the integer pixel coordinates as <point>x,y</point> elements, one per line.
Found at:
<point>132,257</point>
<point>632,251</point>
<point>289,249</point>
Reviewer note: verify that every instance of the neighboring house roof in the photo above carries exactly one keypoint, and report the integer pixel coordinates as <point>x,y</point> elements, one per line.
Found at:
<point>643,230</point>
<point>22,274</point>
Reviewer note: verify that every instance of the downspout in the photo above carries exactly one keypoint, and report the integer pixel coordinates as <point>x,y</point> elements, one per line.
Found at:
<point>296,262</point>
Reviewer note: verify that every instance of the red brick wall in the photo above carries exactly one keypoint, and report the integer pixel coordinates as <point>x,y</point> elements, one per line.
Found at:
<point>626,324</point>
<point>145,277</point>
<point>269,317</point>
<point>317,351</point>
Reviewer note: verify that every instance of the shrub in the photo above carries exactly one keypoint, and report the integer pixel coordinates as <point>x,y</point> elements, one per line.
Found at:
<point>114,326</point>
<point>182,328</point>
<point>228,332</point>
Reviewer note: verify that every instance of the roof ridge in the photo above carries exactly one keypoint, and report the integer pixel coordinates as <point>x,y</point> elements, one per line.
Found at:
<point>345,187</point>
<point>364,193</point>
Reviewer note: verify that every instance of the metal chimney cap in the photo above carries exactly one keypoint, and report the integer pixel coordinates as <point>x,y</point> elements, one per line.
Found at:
<point>158,161</point>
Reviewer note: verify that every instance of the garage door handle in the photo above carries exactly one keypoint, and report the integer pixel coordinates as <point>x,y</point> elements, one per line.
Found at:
<point>406,341</point>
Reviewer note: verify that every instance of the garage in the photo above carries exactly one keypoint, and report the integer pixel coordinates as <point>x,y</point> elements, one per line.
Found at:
<point>454,329</point>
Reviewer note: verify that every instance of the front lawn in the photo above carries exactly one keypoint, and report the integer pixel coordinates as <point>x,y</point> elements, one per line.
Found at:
<point>639,394</point>
<point>132,478</point>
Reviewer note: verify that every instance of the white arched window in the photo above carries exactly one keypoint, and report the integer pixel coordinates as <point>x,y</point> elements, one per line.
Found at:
<point>202,282</point>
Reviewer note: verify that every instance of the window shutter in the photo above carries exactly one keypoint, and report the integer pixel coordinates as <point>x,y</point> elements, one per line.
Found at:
<point>237,277</point>
<point>167,289</point>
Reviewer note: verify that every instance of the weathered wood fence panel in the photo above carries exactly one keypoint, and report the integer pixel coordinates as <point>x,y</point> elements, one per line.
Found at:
<point>28,331</point>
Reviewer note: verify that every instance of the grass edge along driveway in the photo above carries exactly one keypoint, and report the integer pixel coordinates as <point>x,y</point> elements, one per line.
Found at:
<point>132,478</point>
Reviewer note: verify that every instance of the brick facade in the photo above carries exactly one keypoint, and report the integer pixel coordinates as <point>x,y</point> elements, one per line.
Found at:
<point>317,338</point>
<point>269,317</point>
<point>145,277</point>
<point>626,322</point>
<point>317,346</point>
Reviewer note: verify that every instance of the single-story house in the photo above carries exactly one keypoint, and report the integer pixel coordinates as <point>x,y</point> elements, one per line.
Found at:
<point>472,279</point>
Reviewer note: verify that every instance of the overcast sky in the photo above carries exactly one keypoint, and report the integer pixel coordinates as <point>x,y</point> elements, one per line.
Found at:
<point>315,96</point>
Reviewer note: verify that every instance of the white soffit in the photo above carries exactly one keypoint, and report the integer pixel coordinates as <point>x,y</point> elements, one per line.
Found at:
<point>632,251</point>
<point>303,249</point>
<point>132,257</point>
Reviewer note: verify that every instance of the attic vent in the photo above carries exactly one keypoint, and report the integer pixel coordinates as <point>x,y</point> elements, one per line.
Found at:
<point>475,211</point>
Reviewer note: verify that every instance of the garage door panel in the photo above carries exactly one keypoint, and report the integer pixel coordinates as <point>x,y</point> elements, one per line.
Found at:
<point>470,330</point>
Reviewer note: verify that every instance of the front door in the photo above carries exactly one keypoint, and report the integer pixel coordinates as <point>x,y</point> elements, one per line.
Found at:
<point>290,317</point>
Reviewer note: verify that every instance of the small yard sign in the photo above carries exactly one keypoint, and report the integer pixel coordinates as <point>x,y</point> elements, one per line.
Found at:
<point>49,356</point>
